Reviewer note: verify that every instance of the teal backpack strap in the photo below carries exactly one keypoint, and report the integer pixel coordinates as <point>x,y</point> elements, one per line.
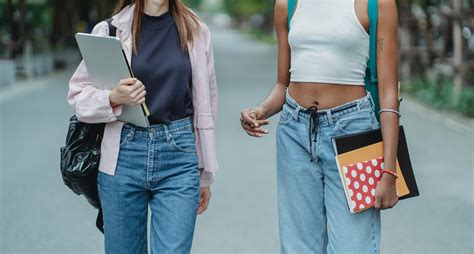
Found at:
<point>291,8</point>
<point>371,81</point>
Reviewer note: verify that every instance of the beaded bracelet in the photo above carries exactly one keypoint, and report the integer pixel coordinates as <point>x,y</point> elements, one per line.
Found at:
<point>390,173</point>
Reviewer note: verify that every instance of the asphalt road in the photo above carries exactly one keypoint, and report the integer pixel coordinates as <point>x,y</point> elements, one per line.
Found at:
<point>39,215</point>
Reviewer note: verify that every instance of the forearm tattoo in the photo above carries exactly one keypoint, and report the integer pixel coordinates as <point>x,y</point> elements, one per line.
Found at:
<point>380,45</point>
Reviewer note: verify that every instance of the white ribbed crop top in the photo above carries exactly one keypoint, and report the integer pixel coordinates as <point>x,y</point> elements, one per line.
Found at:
<point>328,43</point>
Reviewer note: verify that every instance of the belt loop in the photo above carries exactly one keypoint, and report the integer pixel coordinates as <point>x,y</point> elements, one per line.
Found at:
<point>329,115</point>
<point>167,132</point>
<point>372,103</point>
<point>296,113</point>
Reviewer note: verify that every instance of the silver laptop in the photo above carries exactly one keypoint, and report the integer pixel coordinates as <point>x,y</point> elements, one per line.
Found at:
<point>107,65</point>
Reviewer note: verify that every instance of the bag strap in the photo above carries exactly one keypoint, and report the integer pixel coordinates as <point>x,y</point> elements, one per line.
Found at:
<point>291,9</point>
<point>371,80</point>
<point>373,18</point>
<point>99,222</point>
<point>112,28</point>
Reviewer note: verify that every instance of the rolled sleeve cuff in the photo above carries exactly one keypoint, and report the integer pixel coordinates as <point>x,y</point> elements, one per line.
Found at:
<point>206,179</point>
<point>116,110</point>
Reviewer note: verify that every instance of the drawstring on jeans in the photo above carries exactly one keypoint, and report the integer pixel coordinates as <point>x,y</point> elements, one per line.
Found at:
<point>313,123</point>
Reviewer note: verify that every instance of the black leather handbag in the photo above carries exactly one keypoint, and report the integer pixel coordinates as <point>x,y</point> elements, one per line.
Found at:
<point>80,161</point>
<point>80,157</point>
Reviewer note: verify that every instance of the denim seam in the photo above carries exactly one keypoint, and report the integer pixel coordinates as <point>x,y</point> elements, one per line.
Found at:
<point>149,159</point>
<point>173,143</point>
<point>341,130</point>
<point>180,131</point>
<point>129,133</point>
<point>160,131</point>
<point>181,128</point>
<point>373,231</point>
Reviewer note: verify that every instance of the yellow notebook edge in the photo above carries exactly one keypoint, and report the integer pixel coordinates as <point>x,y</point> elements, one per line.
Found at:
<point>145,109</point>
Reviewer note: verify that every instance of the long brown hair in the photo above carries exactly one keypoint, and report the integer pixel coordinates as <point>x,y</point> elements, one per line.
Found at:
<point>186,21</point>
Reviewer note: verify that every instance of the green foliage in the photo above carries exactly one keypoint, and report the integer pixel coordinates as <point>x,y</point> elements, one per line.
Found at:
<point>466,102</point>
<point>194,4</point>
<point>440,96</point>
<point>243,9</point>
<point>258,35</point>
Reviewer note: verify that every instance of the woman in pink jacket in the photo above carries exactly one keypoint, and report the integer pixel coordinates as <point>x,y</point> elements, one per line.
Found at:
<point>170,165</point>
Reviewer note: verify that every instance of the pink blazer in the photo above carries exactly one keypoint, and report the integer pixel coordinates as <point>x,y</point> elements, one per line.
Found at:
<point>92,105</point>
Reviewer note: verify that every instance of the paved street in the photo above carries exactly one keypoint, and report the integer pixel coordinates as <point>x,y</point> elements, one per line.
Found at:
<point>38,214</point>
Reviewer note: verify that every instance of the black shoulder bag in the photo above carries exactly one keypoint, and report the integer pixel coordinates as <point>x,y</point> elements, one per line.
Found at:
<point>81,155</point>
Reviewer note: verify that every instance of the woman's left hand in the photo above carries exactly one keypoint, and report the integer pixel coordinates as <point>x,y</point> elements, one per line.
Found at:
<point>386,193</point>
<point>204,197</point>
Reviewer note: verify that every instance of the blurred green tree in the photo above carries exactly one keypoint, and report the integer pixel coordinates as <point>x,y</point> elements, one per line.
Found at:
<point>195,4</point>
<point>244,10</point>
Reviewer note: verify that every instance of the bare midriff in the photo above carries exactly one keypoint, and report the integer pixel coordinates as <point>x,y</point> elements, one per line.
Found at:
<point>324,96</point>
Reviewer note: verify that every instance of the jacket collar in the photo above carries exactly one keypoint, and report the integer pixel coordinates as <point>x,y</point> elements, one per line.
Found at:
<point>124,19</point>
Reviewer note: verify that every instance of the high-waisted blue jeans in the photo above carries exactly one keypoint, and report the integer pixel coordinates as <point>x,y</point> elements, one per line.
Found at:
<point>313,213</point>
<point>157,167</point>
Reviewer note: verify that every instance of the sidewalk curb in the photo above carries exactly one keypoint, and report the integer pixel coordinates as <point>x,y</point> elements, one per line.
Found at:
<point>450,119</point>
<point>23,87</point>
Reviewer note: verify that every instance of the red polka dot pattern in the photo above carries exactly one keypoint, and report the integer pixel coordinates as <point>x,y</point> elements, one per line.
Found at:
<point>361,180</point>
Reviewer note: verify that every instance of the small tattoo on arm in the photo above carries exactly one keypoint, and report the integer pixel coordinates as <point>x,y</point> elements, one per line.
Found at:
<point>380,45</point>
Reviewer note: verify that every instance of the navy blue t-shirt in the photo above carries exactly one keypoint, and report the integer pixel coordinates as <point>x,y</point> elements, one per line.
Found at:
<point>164,68</point>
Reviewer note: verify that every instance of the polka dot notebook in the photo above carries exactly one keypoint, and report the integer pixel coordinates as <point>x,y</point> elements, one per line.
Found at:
<point>360,171</point>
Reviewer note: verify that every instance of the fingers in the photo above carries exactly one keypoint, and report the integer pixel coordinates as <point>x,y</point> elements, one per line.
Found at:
<point>134,91</point>
<point>254,132</point>
<point>139,94</point>
<point>246,117</point>
<point>205,196</point>
<point>140,99</point>
<point>378,201</point>
<point>384,203</point>
<point>127,81</point>
<point>136,86</point>
<point>389,205</point>
<point>251,124</point>
<point>263,122</point>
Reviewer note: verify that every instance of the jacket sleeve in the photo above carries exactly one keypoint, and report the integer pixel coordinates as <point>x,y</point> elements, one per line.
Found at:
<point>90,104</point>
<point>212,77</point>
<point>207,178</point>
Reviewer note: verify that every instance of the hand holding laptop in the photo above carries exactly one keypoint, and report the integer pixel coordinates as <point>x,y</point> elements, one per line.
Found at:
<point>109,69</point>
<point>130,91</point>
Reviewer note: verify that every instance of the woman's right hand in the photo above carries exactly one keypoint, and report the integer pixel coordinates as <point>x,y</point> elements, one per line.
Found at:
<point>129,91</point>
<point>252,119</point>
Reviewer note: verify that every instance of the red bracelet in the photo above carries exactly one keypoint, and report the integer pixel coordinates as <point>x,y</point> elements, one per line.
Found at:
<point>390,173</point>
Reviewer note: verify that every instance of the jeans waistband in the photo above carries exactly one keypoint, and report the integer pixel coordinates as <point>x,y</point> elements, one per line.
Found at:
<point>332,114</point>
<point>163,129</point>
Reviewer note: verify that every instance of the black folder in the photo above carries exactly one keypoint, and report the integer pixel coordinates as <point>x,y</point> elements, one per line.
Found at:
<point>352,142</point>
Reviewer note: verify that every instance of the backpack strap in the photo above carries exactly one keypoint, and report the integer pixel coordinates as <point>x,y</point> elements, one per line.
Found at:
<point>112,28</point>
<point>371,80</point>
<point>373,19</point>
<point>291,9</point>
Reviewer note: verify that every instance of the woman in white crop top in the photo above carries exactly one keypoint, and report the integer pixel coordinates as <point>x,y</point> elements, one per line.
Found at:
<point>322,56</point>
